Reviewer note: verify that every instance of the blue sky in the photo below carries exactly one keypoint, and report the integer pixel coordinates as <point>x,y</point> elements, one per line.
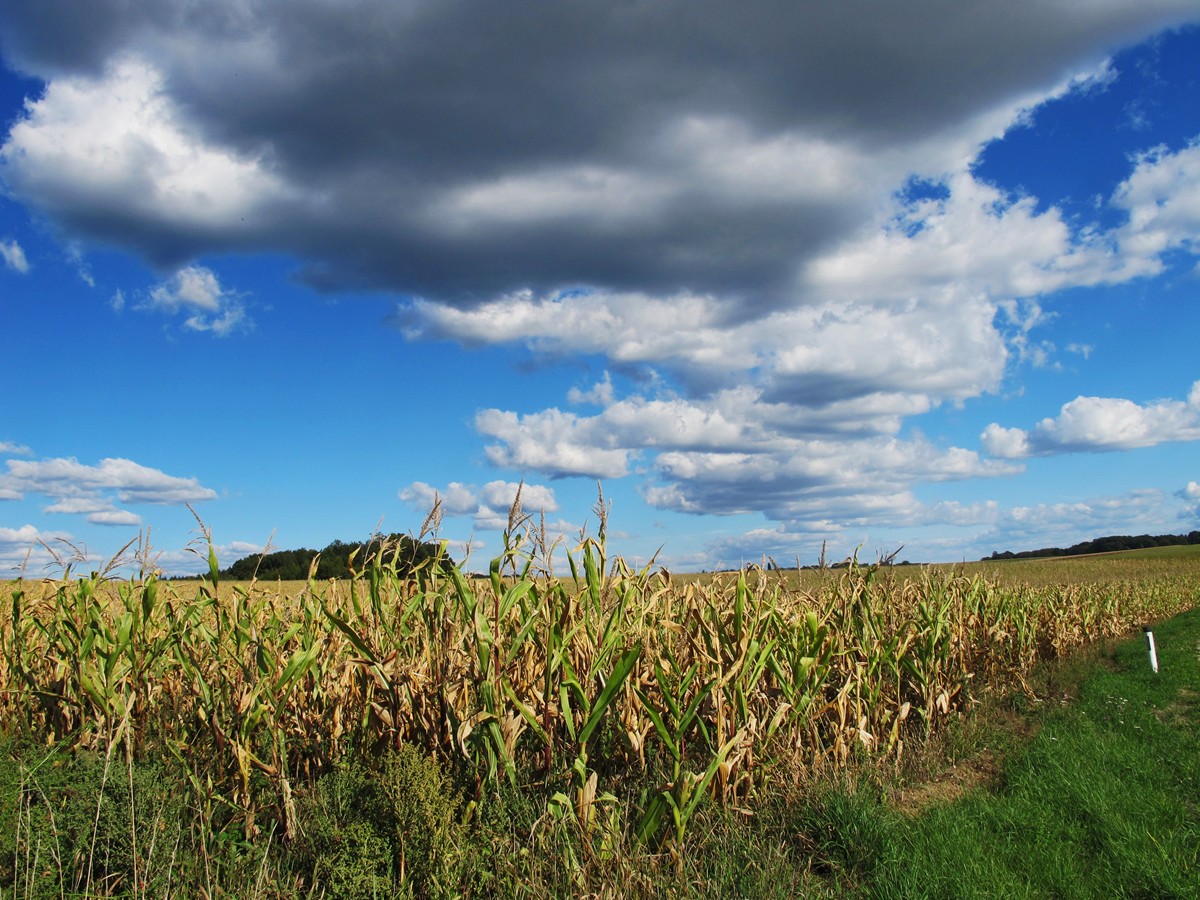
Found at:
<point>774,276</point>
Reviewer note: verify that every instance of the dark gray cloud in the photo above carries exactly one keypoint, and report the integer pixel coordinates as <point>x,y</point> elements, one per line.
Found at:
<point>458,151</point>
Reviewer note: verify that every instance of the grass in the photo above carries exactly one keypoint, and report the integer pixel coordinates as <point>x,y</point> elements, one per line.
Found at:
<point>1103,801</point>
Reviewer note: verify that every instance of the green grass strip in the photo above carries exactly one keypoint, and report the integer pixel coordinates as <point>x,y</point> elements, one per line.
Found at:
<point>1103,802</point>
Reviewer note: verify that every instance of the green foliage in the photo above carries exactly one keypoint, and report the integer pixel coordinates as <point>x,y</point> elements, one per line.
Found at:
<point>1112,544</point>
<point>87,823</point>
<point>338,560</point>
<point>392,832</point>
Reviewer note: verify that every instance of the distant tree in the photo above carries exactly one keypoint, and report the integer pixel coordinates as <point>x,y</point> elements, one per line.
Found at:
<point>339,559</point>
<point>1111,544</point>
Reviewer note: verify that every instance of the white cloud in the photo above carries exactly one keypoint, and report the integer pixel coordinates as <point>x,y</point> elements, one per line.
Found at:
<point>1005,443</point>
<point>457,499</point>
<point>1191,495</point>
<point>119,140</point>
<point>1063,524</point>
<point>194,560</point>
<point>815,486</point>
<point>14,256</point>
<point>1162,199</point>
<point>601,393</point>
<point>22,548</point>
<point>196,289</point>
<point>1096,424</point>
<point>548,441</point>
<point>232,320</point>
<point>488,505</point>
<point>98,510</point>
<point>533,496</point>
<point>976,237</point>
<point>193,286</point>
<point>94,491</point>
<point>8,448</point>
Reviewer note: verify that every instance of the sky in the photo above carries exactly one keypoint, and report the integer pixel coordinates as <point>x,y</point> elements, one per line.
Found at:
<point>773,276</point>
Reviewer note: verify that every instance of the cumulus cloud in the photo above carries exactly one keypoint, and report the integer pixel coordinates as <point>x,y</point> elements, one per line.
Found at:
<point>1096,424</point>
<point>663,153</point>
<point>94,491</point>
<point>1162,201</point>
<point>8,448</point>
<point>25,548</point>
<point>488,505</point>
<point>14,256</point>
<point>197,291</point>
<point>116,144</point>
<point>1191,496</point>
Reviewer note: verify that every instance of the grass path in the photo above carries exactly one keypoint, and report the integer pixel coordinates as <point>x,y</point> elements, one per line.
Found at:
<point>1104,801</point>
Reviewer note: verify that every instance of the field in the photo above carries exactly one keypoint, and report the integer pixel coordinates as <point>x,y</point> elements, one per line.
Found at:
<point>419,732</point>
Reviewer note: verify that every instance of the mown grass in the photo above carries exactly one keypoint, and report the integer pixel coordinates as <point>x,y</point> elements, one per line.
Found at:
<point>1103,801</point>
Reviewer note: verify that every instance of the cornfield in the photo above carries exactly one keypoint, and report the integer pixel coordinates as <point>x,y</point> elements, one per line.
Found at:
<point>587,685</point>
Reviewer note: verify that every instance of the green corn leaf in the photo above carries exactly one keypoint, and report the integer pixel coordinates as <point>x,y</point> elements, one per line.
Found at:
<point>527,714</point>
<point>664,733</point>
<point>296,668</point>
<point>700,788</point>
<point>616,680</point>
<point>652,819</point>
<point>353,637</point>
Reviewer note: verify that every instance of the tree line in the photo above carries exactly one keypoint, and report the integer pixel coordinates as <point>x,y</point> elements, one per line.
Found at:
<point>1110,544</point>
<point>338,559</point>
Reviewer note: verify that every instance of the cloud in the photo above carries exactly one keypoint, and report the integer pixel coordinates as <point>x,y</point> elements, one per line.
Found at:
<point>192,287</point>
<point>1064,524</point>
<point>1005,443</point>
<point>488,505</point>
<point>980,529</point>
<point>673,147</point>
<point>22,548</point>
<point>8,448</point>
<point>98,510</point>
<point>188,561</point>
<point>14,256</point>
<point>94,491</point>
<point>1162,201</point>
<point>196,290</point>
<point>1098,424</point>
<point>114,149</point>
<point>1190,494</point>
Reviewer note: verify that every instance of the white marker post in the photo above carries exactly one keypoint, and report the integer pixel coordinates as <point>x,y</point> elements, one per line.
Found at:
<point>1150,646</point>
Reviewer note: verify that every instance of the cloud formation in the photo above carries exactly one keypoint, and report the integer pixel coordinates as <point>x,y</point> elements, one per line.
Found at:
<point>1098,424</point>
<point>14,256</point>
<point>196,291</point>
<point>488,505</point>
<point>94,491</point>
<point>23,549</point>
<point>663,148</point>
